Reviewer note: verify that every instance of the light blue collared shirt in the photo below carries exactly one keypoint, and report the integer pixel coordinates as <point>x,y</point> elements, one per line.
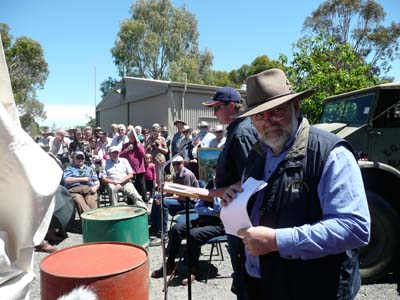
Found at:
<point>345,223</point>
<point>204,210</point>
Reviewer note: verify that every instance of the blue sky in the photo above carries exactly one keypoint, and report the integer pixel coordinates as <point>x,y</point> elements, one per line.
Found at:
<point>77,36</point>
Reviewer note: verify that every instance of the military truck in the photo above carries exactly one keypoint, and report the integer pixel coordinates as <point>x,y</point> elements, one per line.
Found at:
<point>370,120</point>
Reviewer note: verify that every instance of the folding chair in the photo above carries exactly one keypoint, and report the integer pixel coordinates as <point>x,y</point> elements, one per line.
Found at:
<point>215,242</point>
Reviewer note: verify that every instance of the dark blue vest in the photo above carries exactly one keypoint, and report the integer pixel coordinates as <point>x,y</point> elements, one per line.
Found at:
<point>291,199</point>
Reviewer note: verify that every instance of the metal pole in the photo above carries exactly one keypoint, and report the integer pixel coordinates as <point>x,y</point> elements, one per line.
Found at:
<point>95,99</point>
<point>188,249</point>
<point>163,246</point>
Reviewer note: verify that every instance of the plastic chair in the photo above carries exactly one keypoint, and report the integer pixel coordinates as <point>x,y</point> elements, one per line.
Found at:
<point>182,217</point>
<point>215,242</point>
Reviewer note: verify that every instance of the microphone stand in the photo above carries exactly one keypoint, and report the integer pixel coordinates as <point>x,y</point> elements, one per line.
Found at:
<point>164,255</point>
<point>188,249</point>
<point>187,221</point>
<point>163,246</point>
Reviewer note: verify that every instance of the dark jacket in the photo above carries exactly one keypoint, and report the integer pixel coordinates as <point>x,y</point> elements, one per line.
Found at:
<point>241,136</point>
<point>291,199</point>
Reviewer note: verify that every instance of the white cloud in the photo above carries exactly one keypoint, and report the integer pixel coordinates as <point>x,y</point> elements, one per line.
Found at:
<point>67,115</point>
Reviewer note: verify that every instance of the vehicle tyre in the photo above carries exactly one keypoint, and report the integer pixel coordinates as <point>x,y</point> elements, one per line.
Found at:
<point>380,255</point>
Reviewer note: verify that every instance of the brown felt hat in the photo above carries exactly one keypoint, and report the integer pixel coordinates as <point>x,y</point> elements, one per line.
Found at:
<point>267,90</point>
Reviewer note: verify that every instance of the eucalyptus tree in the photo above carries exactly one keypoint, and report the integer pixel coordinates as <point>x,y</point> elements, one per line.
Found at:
<point>160,41</point>
<point>361,23</point>
<point>28,72</point>
<point>330,67</point>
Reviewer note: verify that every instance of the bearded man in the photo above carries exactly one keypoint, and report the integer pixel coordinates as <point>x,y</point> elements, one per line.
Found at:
<point>309,221</point>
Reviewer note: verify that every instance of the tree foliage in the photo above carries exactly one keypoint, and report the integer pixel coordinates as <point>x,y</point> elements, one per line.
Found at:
<point>259,64</point>
<point>359,23</point>
<point>220,78</point>
<point>28,73</point>
<point>330,67</point>
<point>194,67</point>
<point>91,122</point>
<point>107,85</point>
<point>160,41</point>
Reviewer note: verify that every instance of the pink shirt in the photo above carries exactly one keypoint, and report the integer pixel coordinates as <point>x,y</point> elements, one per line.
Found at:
<point>150,172</point>
<point>135,157</point>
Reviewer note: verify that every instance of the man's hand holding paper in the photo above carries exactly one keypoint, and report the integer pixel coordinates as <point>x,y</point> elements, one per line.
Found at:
<point>234,213</point>
<point>258,240</point>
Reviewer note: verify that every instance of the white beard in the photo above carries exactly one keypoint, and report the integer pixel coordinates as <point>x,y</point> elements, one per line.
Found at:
<point>277,142</point>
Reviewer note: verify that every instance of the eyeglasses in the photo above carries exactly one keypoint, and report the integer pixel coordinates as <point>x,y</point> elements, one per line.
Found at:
<point>219,131</point>
<point>273,114</point>
<point>176,163</point>
<point>79,158</point>
<point>217,107</point>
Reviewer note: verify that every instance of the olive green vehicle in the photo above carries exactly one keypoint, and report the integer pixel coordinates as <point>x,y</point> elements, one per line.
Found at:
<point>370,120</point>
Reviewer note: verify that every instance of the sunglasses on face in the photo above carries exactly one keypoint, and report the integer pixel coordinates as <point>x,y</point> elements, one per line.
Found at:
<point>80,157</point>
<point>218,107</point>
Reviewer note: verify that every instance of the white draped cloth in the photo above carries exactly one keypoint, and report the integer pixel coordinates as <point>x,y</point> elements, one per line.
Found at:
<point>29,178</point>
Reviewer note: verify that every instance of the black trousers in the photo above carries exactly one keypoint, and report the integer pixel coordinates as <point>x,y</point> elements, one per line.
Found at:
<point>253,287</point>
<point>140,185</point>
<point>149,188</point>
<point>198,237</point>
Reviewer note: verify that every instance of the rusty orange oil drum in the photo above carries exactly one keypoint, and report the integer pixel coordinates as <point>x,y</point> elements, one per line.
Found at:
<point>112,270</point>
<point>117,224</point>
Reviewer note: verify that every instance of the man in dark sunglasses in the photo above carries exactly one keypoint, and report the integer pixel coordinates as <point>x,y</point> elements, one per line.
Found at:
<point>240,137</point>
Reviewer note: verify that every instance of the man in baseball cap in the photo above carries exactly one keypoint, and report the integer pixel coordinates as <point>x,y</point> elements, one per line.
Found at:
<point>240,137</point>
<point>223,95</point>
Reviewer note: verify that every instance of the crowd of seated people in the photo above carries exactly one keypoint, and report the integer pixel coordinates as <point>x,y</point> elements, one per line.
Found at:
<point>145,150</point>
<point>131,160</point>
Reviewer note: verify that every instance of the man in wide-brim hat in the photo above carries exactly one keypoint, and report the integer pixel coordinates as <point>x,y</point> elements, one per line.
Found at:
<point>177,137</point>
<point>313,215</point>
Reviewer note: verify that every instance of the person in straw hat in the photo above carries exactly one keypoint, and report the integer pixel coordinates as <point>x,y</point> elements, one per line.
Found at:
<point>309,220</point>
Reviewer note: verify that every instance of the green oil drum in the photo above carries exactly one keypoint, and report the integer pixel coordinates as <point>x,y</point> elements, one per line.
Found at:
<point>116,224</point>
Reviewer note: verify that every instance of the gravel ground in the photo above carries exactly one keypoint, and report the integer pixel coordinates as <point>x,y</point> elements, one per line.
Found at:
<point>219,283</point>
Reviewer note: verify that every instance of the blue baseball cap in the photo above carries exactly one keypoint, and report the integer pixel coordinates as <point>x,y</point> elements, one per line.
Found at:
<point>79,153</point>
<point>224,94</point>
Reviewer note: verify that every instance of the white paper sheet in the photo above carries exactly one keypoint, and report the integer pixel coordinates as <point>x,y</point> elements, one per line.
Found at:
<point>235,216</point>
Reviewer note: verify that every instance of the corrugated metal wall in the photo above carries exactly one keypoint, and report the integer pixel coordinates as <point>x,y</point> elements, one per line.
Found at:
<point>148,111</point>
<point>148,102</point>
<point>116,114</point>
<point>193,111</point>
